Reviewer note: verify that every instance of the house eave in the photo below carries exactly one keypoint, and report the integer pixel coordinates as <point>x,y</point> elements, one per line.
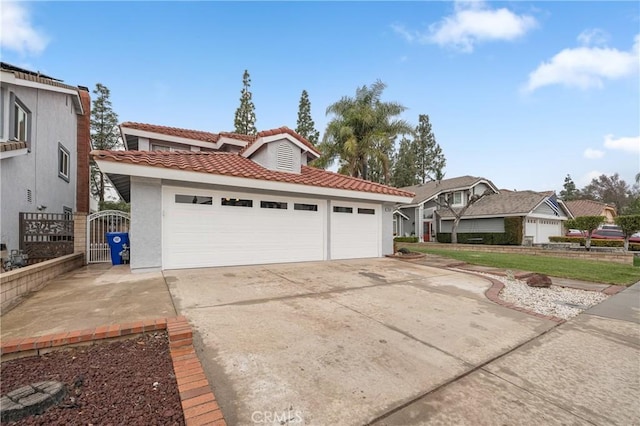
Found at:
<point>126,169</point>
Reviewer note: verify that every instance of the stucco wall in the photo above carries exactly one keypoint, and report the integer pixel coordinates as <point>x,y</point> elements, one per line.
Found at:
<point>145,230</point>
<point>53,121</point>
<point>267,156</point>
<point>387,229</point>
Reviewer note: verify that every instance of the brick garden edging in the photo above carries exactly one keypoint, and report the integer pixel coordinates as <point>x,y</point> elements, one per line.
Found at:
<point>199,404</point>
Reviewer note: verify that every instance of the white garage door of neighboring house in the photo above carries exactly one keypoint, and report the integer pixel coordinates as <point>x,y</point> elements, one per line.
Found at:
<point>213,228</point>
<point>542,229</point>
<point>356,230</point>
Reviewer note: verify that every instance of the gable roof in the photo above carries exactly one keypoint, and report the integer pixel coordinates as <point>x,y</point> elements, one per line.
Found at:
<point>37,77</point>
<point>428,190</point>
<point>232,164</point>
<point>588,207</point>
<point>508,203</point>
<point>280,131</point>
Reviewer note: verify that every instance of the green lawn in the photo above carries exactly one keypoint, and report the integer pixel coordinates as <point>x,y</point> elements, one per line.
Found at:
<point>579,269</point>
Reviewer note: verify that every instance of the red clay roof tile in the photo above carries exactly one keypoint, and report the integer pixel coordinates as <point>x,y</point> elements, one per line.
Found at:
<point>231,164</point>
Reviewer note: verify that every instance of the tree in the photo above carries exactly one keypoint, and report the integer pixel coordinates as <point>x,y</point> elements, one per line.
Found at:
<point>104,136</point>
<point>586,223</point>
<point>405,171</point>
<point>359,130</point>
<point>429,157</point>
<point>245,119</point>
<point>570,192</point>
<point>457,214</point>
<point>305,126</point>
<point>610,190</point>
<point>629,225</point>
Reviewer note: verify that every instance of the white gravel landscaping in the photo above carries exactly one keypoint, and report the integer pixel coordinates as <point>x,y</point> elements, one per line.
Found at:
<point>554,301</point>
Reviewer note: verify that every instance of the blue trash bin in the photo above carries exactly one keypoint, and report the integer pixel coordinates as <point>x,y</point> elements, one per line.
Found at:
<point>117,240</point>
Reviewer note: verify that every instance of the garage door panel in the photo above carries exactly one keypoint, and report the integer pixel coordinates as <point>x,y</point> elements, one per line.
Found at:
<point>355,235</point>
<point>219,235</point>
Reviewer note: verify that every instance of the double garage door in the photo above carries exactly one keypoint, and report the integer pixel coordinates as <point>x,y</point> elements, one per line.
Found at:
<point>542,229</point>
<point>202,228</point>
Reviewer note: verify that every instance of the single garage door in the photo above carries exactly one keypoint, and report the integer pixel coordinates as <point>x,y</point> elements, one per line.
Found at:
<point>213,228</point>
<point>542,229</point>
<point>356,230</point>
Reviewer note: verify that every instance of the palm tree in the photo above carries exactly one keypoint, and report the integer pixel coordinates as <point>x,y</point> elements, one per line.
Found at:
<point>360,132</point>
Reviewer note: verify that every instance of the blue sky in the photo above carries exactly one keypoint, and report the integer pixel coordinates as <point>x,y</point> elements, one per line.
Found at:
<point>522,93</point>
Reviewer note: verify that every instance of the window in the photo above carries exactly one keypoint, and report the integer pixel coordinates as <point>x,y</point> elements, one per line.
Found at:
<point>160,148</point>
<point>236,202</point>
<point>307,207</point>
<point>193,199</point>
<point>337,209</point>
<point>64,164</point>
<point>20,122</point>
<point>273,205</point>
<point>68,212</point>
<point>366,211</point>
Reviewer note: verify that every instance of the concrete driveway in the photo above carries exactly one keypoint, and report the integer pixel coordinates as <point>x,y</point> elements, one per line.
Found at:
<point>344,342</point>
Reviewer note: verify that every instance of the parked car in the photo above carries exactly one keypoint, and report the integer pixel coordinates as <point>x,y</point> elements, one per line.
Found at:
<point>635,238</point>
<point>576,233</point>
<point>607,234</point>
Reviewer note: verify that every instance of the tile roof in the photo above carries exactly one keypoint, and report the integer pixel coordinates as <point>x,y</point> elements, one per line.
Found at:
<point>285,129</point>
<point>507,203</point>
<point>232,164</point>
<point>587,207</point>
<point>424,191</point>
<point>173,131</point>
<point>36,77</point>
<point>12,146</point>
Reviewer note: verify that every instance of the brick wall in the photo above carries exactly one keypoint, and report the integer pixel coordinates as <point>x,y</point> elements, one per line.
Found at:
<point>84,147</point>
<point>17,283</point>
<point>624,258</point>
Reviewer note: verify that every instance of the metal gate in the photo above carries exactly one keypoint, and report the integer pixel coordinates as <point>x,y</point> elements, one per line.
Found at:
<point>98,224</point>
<point>45,236</point>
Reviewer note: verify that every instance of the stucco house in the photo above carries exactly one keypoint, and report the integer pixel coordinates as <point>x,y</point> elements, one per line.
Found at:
<point>591,208</point>
<point>539,214</point>
<point>44,148</point>
<point>201,199</point>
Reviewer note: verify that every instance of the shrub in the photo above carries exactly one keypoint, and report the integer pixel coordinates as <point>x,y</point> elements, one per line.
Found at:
<point>595,242</point>
<point>489,238</point>
<point>406,239</point>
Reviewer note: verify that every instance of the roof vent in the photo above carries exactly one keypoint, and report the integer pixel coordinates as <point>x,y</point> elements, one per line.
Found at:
<point>284,157</point>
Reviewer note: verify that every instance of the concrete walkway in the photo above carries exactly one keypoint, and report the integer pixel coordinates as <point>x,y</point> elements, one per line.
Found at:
<point>586,371</point>
<point>89,297</point>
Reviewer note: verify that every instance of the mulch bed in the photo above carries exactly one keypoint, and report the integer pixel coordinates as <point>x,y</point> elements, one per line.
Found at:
<point>112,383</point>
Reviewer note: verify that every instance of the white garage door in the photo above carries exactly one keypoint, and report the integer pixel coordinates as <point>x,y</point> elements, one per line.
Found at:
<point>542,229</point>
<point>356,230</point>
<point>213,228</point>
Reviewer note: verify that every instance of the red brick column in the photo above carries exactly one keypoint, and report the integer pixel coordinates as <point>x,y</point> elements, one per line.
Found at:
<point>83,149</point>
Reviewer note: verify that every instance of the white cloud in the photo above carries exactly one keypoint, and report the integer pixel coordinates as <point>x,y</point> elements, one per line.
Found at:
<point>593,154</point>
<point>586,67</point>
<point>17,32</point>
<point>631,143</point>
<point>593,37</point>
<point>588,177</point>
<point>471,23</point>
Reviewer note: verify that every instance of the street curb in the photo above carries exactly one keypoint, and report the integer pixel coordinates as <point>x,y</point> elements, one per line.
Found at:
<point>199,404</point>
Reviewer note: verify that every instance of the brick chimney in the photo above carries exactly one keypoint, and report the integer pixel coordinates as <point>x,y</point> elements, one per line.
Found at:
<point>83,147</point>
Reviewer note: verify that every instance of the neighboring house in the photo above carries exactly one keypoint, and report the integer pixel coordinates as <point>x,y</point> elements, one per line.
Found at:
<point>591,208</point>
<point>44,148</point>
<point>420,217</point>
<point>541,215</point>
<point>203,199</point>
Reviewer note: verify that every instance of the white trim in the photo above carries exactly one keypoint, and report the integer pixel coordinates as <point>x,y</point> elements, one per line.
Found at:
<point>13,153</point>
<point>489,216</point>
<point>396,211</point>
<point>208,178</point>
<point>460,188</point>
<point>177,139</point>
<point>10,78</point>
<point>265,140</point>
